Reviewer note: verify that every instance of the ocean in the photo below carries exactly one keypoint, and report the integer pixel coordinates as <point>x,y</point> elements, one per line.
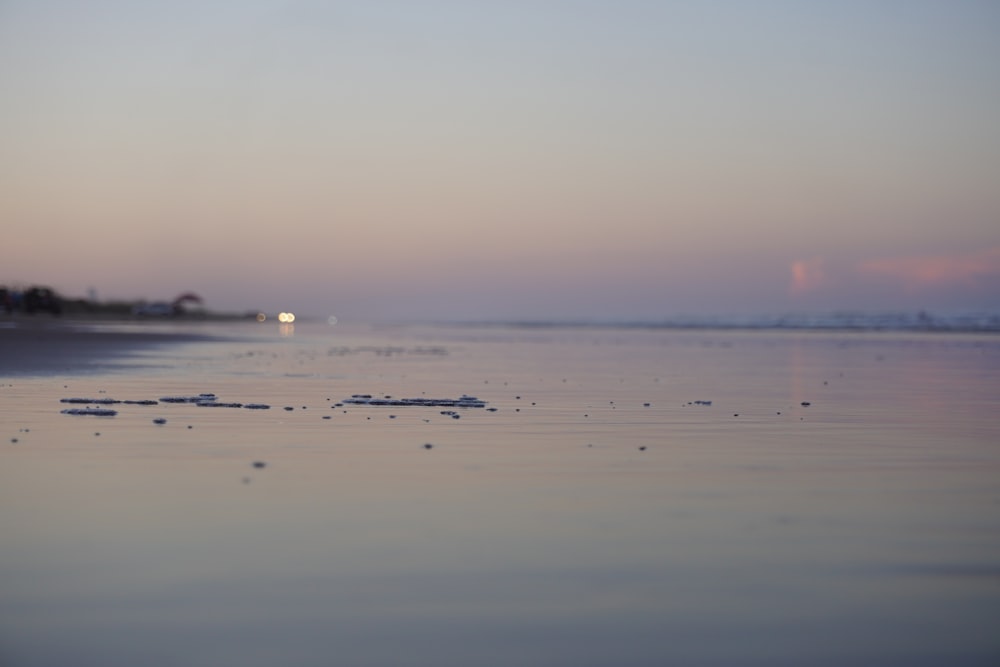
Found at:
<point>618,496</point>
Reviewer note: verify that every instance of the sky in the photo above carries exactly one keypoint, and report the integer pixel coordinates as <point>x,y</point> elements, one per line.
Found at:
<point>517,159</point>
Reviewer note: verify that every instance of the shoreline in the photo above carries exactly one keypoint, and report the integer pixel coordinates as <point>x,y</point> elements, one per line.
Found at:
<point>67,347</point>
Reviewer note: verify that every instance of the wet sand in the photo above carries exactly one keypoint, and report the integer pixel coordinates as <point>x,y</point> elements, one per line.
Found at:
<point>641,498</point>
<point>45,347</point>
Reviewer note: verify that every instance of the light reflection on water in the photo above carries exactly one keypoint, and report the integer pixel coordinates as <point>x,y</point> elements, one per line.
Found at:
<point>862,528</point>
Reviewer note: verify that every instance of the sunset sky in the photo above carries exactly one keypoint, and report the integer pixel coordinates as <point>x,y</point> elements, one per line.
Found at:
<point>471,159</point>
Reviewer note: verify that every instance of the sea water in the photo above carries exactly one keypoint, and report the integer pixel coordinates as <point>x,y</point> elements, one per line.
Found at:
<point>625,497</point>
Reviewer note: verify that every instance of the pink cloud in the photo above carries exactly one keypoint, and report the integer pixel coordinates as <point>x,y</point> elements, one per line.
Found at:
<point>936,270</point>
<point>807,275</point>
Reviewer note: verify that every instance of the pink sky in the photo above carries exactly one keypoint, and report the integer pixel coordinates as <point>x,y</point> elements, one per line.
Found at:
<point>967,270</point>
<point>504,160</point>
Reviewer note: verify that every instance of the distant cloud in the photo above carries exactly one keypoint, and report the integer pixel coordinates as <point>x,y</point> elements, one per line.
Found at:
<point>807,275</point>
<point>937,270</point>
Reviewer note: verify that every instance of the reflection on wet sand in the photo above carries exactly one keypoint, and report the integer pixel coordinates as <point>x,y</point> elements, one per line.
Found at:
<point>607,507</point>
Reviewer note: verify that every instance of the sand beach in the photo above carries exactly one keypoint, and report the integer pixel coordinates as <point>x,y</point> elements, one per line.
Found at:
<point>614,496</point>
<point>30,346</point>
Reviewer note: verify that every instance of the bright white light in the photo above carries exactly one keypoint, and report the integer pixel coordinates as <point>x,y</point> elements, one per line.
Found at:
<point>286,318</point>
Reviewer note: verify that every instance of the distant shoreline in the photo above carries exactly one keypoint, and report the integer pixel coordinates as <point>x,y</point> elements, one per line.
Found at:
<point>982,323</point>
<point>49,346</point>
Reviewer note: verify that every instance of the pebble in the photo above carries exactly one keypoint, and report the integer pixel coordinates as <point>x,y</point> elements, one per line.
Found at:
<point>259,464</point>
<point>159,420</point>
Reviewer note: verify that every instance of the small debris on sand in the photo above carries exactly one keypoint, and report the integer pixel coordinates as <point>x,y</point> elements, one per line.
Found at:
<point>160,420</point>
<point>94,412</point>
<point>259,464</point>
<point>200,398</point>
<point>463,401</point>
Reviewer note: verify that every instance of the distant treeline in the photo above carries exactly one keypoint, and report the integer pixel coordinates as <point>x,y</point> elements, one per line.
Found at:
<point>39,300</point>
